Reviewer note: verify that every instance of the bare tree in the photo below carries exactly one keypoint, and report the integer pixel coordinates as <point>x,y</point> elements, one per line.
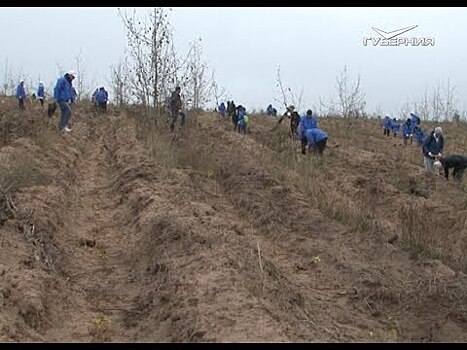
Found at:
<point>350,97</point>
<point>151,61</point>
<point>287,94</point>
<point>449,101</point>
<point>197,87</point>
<point>379,110</point>
<point>437,103</point>
<point>218,92</point>
<point>425,109</point>
<point>119,82</point>
<point>7,77</point>
<point>404,109</point>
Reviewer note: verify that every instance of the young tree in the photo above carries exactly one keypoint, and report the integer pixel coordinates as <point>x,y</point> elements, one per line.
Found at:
<point>197,87</point>
<point>449,101</point>
<point>150,62</point>
<point>119,82</point>
<point>350,97</point>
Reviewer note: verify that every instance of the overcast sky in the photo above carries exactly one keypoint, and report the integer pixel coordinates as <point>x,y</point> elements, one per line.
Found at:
<point>246,45</point>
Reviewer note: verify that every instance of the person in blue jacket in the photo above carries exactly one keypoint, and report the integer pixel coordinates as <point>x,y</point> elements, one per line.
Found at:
<point>415,119</point>
<point>306,122</point>
<point>101,99</point>
<point>432,148</point>
<point>241,123</point>
<point>386,126</point>
<point>41,93</point>
<point>63,94</point>
<point>395,127</point>
<point>407,131</point>
<point>222,109</point>
<point>316,139</point>
<point>21,94</point>
<point>419,135</point>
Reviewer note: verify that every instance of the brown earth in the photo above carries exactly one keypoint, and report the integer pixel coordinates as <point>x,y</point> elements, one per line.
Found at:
<point>117,233</point>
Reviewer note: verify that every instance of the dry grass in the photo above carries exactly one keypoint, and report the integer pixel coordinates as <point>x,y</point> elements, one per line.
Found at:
<point>23,171</point>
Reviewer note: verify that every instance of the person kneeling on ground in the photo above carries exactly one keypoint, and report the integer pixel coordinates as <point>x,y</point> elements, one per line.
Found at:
<point>316,139</point>
<point>455,161</point>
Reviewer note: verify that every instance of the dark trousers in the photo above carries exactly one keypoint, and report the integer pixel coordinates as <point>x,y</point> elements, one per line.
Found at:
<point>318,147</point>
<point>175,118</point>
<point>21,103</point>
<point>406,138</point>
<point>102,106</point>
<point>386,132</point>
<point>41,100</point>
<point>458,174</point>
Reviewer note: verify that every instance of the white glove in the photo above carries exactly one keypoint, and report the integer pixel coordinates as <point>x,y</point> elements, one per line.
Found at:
<point>439,154</point>
<point>430,154</point>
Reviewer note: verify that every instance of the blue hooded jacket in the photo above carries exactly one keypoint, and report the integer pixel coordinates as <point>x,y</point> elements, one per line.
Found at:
<point>387,122</point>
<point>41,91</point>
<point>395,126</point>
<point>419,135</point>
<point>222,107</point>
<point>101,96</point>
<point>62,90</point>
<point>20,93</point>
<point>315,135</point>
<point>415,119</point>
<point>306,122</point>
<point>407,128</point>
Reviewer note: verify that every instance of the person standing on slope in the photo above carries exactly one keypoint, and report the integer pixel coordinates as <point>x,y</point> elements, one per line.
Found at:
<point>63,94</point>
<point>41,93</point>
<point>21,94</point>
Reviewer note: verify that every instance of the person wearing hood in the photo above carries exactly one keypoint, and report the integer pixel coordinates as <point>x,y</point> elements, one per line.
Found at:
<point>306,123</point>
<point>386,126</point>
<point>395,127</point>
<point>63,95</point>
<point>419,135</point>
<point>407,131</point>
<point>21,94</point>
<point>415,119</point>
<point>41,93</point>
<point>93,97</point>
<point>316,140</point>
<point>222,109</point>
<point>101,99</point>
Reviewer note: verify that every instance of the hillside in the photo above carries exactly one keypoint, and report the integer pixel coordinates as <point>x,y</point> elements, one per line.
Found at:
<point>115,232</point>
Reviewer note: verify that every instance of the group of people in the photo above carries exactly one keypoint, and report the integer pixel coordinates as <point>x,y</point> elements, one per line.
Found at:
<point>432,145</point>
<point>238,114</point>
<point>21,94</point>
<point>64,95</point>
<point>305,127</point>
<point>410,128</point>
<point>99,98</point>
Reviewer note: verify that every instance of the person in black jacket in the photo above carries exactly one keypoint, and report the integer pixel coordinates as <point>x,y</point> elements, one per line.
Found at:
<point>433,147</point>
<point>455,161</point>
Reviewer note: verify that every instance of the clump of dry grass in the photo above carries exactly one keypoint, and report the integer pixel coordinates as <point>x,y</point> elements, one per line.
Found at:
<point>425,233</point>
<point>23,171</point>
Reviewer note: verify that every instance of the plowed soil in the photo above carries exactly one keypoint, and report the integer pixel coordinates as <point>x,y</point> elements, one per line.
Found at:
<point>214,236</point>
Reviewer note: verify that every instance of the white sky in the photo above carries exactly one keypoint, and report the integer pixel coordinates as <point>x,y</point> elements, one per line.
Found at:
<point>245,46</point>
